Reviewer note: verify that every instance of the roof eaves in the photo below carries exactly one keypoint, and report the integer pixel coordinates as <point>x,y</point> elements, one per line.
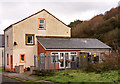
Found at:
<point>23,19</point>
<point>33,15</point>
<point>73,48</point>
<point>8,27</point>
<point>56,18</point>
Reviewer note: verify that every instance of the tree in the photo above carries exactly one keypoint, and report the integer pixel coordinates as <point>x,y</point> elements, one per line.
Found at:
<point>73,24</point>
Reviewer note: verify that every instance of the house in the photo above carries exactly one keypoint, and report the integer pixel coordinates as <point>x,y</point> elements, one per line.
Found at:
<point>21,41</point>
<point>42,33</point>
<point>71,48</point>
<point>1,50</point>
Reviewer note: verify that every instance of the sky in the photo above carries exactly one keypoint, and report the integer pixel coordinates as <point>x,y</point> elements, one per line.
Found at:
<point>67,11</point>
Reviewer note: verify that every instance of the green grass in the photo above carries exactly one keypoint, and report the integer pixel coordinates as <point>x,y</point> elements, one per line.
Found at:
<point>80,76</point>
<point>1,68</point>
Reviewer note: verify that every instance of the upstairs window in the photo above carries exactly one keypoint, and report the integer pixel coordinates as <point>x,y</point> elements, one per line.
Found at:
<point>30,39</point>
<point>42,23</point>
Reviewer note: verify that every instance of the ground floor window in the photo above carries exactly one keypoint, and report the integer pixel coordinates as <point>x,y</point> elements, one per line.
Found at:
<point>96,57</point>
<point>73,56</point>
<point>42,57</point>
<point>22,58</point>
<point>54,57</point>
<point>102,54</point>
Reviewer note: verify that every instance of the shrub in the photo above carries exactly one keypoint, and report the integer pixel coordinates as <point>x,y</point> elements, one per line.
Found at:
<point>110,62</point>
<point>43,73</point>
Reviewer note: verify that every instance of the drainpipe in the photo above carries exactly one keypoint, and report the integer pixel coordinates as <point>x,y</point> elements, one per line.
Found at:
<point>2,57</point>
<point>4,50</point>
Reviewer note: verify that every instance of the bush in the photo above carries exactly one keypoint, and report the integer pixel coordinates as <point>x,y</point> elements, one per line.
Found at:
<point>94,67</point>
<point>110,62</point>
<point>43,73</point>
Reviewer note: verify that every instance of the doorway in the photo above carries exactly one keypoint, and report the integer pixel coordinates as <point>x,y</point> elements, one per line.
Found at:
<point>64,56</point>
<point>11,61</point>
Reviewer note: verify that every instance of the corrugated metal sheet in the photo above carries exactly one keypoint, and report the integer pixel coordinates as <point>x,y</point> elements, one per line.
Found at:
<point>72,43</point>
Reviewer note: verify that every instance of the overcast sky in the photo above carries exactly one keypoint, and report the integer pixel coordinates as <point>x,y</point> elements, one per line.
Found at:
<point>67,11</point>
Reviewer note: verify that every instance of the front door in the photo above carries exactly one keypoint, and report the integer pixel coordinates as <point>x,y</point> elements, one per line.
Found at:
<point>11,61</point>
<point>64,56</point>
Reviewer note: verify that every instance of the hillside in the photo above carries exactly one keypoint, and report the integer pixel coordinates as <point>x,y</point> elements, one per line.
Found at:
<point>103,27</point>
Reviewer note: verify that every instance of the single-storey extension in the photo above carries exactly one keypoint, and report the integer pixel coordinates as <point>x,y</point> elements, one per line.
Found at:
<point>69,49</point>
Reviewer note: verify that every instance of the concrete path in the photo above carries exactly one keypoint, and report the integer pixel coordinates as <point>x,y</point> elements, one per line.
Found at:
<point>22,76</point>
<point>6,80</point>
<point>26,76</point>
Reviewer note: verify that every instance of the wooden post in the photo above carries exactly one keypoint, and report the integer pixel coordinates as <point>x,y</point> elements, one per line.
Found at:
<point>48,61</point>
<point>45,62</point>
<point>2,58</point>
<point>34,60</point>
<point>54,63</point>
<point>40,61</point>
<point>79,60</point>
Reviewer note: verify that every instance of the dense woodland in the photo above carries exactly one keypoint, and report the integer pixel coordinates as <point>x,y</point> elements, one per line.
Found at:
<point>105,27</point>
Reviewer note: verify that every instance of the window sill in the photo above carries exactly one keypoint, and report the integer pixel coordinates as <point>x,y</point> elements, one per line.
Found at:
<point>41,28</point>
<point>22,62</point>
<point>30,44</point>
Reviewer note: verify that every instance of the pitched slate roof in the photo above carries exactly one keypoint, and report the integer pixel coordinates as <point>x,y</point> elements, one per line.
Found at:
<point>2,42</point>
<point>72,43</point>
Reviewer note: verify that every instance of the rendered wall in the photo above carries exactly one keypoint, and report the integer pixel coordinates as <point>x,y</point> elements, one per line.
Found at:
<point>1,56</point>
<point>30,26</point>
<point>8,49</point>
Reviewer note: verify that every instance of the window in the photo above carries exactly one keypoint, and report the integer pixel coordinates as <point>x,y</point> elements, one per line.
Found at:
<point>30,39</point>
<point>54,57</point>
<point>73,56</point>
<point>7,59</point>
<point>96,59</point>
<point>7,42</point>
<point>102,54</point>
<point>42,57</point>
<point>42,23</point>
<point>22,58</point>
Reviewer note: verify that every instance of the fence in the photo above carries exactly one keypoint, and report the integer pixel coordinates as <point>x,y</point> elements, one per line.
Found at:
<point>43,62</point>
<point>53,62</point>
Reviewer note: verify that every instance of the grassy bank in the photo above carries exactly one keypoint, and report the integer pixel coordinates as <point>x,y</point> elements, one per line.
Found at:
<point>80,76</point>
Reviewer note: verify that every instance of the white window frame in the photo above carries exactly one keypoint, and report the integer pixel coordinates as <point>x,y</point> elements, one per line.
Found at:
<point>55,57</point>
<point>42,23</point>
<point>32,39</point>
<point>74,55</point>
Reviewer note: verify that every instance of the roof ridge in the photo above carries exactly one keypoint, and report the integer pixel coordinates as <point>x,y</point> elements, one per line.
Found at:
<point>33,15</point>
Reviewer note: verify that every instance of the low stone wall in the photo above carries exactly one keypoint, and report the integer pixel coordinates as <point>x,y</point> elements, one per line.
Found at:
<point>19,69</point>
